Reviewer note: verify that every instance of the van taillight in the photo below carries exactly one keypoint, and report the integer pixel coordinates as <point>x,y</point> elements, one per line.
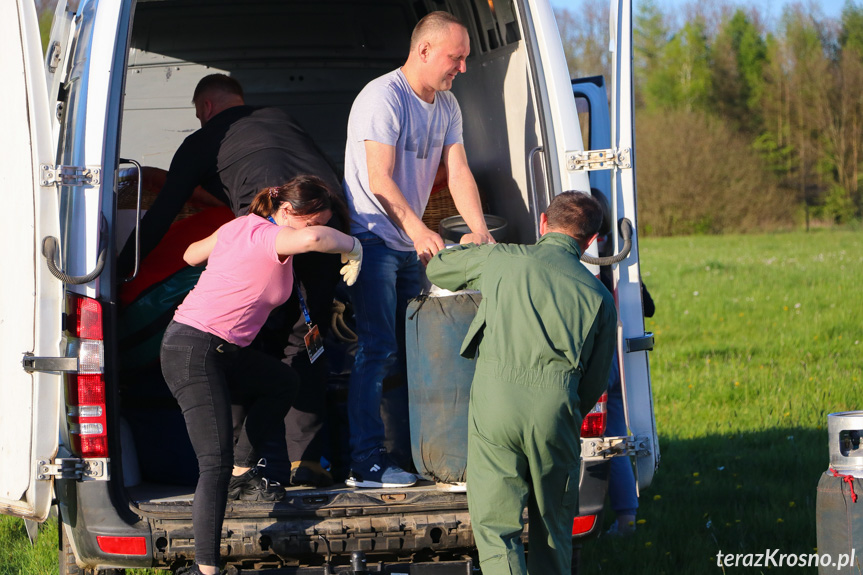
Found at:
<point>594,422</point>
<point>86,318</point>
<point>122,545</point>
<point>85,390</point>
<point>582,524</point>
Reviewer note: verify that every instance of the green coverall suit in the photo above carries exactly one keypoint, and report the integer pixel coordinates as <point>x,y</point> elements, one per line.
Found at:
<point>543,338</point>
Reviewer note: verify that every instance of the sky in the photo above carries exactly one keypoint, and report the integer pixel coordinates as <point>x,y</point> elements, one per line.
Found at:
<point>771,8</point>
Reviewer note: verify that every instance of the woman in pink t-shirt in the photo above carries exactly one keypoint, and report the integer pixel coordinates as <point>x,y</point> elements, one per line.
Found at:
<point>205,354</point>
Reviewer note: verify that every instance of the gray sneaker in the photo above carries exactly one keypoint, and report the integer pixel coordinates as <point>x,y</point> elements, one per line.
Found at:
<point>377,470</point>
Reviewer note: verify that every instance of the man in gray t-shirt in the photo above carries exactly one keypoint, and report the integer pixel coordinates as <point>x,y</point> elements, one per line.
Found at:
<point>388,112</point>
<point>402,126</point>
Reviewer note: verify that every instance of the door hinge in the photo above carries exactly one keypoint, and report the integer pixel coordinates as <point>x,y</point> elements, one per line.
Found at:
<point>54,55</point>
<point>599,448</point>
<point>72,468</point>
<point>32,363</point>
<point>591,160</point>
<point>69,175</point>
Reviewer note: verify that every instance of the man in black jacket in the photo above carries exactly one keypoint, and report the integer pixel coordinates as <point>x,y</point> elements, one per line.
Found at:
<point>238,151</point>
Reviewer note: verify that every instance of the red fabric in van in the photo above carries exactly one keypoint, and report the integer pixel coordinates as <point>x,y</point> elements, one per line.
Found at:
<point>167,257</point>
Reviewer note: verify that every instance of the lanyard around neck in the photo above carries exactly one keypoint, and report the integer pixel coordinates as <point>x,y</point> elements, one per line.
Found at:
<point>306,315</point>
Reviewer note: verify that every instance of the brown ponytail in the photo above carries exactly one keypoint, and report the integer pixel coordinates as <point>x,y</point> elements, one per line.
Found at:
<point>263,204</point>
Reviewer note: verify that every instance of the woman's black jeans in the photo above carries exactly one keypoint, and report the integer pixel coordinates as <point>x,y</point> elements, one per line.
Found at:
<point>202,371</point>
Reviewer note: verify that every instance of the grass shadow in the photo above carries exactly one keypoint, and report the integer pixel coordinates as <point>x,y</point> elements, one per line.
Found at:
<point>736,493</point>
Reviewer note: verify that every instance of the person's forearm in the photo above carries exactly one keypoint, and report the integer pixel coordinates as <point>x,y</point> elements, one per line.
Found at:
<point>196,255</point>
<point>465,194</point>
<point>459,267</point>
<point>589,391</point>
<point>447,273</point>
<point>323,239</point>
<point>597,366</point>
<point>199,252</point>
<point>334,242</point>
<point>394,203</point>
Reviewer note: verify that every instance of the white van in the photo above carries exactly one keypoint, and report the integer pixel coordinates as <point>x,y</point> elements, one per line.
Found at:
<point>113,91</point>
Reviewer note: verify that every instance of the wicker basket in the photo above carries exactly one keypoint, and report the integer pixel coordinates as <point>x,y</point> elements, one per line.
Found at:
<point>440,206</point>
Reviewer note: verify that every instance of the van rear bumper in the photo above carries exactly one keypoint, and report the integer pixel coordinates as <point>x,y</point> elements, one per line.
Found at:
<point>333,524</point>
<point>592,491</point>
<point>307,529</point>
<point>91,509</point>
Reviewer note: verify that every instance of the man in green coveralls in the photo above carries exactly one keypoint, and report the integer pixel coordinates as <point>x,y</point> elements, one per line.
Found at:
<point>543,338</point>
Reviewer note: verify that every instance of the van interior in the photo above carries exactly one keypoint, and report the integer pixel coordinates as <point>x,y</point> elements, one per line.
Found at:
<point>310,59</point>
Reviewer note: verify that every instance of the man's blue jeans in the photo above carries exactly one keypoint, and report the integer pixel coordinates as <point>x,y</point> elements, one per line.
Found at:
<point>621,480</point>
<point>389,278</point>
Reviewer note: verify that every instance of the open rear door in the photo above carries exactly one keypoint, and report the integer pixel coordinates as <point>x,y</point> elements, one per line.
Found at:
<point>558,125</point>
<point>30,298</point>
<point>634,344</point>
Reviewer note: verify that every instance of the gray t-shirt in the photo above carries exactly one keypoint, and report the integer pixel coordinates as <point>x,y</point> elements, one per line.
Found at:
<point>389,112</point>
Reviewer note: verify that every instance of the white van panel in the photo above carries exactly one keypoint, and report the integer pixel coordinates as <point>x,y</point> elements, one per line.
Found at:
<point>96,72</point>
<point>89,81</point>
<point>635,371</point>
<point>157,112</point>
<point>101,59</point>
<point>55,61</point>
<point>30,299</point>
<point>561,106</point>
<point>500,129</point>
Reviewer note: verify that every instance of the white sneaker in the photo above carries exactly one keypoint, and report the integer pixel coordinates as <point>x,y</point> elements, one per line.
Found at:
<point>376,470</point>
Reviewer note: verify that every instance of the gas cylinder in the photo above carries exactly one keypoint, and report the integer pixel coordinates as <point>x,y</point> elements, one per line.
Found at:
<point>439,381</point>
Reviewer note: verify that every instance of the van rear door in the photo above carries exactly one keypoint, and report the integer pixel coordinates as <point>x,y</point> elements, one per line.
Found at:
<point>634,344</point>
<point>30,298</point>
<point>558,124</point>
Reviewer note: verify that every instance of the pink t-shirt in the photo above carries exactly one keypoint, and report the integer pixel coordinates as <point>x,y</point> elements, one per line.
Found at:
<point>244,281</point>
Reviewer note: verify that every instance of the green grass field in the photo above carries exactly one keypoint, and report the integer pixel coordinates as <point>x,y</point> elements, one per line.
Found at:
<point>18,557</point>
<point>758,338</point>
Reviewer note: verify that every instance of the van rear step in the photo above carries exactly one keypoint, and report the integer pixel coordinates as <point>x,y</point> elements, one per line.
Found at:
<point>337,501</point>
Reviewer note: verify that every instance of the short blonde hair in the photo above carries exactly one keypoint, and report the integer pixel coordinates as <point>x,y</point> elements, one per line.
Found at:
<point>433,24</point>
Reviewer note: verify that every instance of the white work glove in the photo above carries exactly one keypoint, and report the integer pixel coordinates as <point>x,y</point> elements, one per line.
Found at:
<point>353,261</point>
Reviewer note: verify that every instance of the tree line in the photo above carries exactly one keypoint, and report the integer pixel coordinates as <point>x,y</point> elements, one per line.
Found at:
<point>743,122</point>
